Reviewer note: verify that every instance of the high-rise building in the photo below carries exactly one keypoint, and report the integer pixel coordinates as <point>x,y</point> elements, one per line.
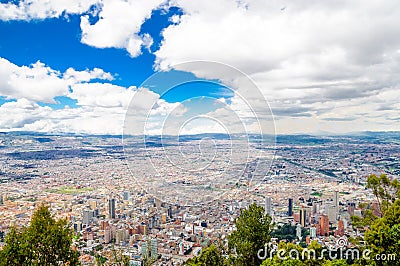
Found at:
<point>268,205</point>
<point>111,208</point>
<point>170,212</point>
<point>154,248</point>
<point>181,248</point>
<point>144,249</point>
<point>303,217</point>
<point>298,232</point>
<point>315,208</point>
<point>332,212</point>
<point>107,235</point>
<point>77,226</point>
<point>157,203</point>
<point>126,195</point>
<point>313,232</point>
<point>336,199</point>
<point>290,207</point>
<point>164,218</point>
<point>340,228</point>
<point>87,216</point>
<point>103,225</point>
<point>351,206</point>
<point>121,236</point>
<point>324,225</point>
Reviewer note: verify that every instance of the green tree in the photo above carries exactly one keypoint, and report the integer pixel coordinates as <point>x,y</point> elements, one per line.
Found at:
<point>118,258</point>
<point>211,256</point>
<point>290,254</point>
<point>335,263</point>
<point>366,220</point>
<point>284,257</point>
<point>384,235</point>
<point>44,242</point>
<point>288,232</point>
<point>14,252</point>
<point>286,262</point>
<point>386,191</point>
<point>100,260</point>
<point>253,229</point>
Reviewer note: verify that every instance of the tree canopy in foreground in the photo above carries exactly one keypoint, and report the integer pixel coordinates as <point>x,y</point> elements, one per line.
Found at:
<point>44,242</point>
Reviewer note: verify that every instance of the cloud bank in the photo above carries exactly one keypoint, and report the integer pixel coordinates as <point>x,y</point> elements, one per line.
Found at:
<point>323,66</point>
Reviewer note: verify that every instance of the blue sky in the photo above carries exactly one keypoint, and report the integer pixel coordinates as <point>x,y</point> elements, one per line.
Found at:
<point>321,68</point>
<point>56,42</point>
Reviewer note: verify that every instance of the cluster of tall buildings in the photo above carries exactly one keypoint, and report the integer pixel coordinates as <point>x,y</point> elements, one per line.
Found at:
<point>322,218</point>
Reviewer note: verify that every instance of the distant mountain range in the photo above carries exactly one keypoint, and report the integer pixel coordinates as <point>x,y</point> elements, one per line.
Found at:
<point>281,138</point>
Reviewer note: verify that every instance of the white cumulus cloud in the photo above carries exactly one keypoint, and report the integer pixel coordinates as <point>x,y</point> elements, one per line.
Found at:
<point>41,83</point>
<point>119,25</point>
<point>42,9</point>
<point>311,60</point>
<point>101,107</point>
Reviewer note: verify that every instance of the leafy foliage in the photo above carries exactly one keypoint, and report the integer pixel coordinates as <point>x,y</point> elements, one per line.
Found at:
<point>295,255</point>
<point>210,256</point>
<point>253,231</point>
<point>44,242</point>
<point>385,190</point>
<point>287,232</point>
<point>117,258</point>
<point>383,235</point>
